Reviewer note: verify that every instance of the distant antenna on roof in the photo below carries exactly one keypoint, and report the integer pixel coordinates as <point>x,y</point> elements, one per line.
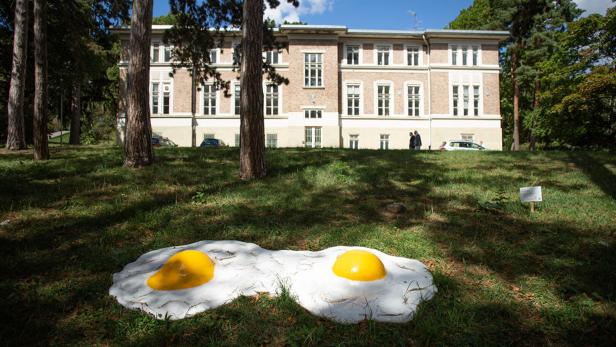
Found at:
<point>415,22</point>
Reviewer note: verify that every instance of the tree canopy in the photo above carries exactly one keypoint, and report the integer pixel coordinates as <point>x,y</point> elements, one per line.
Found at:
<point>563,66</point>
<point>81,47</point>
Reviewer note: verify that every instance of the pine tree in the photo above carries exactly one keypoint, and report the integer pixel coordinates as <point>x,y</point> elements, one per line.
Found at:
<point>193,38</point>
<point>138,140</point>
<point>252,148</point>
<point>531,24</point>
<point>577,101</point>
<point>39,127</point>
<point>75,134</point>
<point>16,138</point>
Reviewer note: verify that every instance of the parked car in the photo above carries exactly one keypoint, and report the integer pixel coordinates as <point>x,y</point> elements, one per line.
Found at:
<point>162,142</point>
<point>461,145</point>
<point>211,143</point>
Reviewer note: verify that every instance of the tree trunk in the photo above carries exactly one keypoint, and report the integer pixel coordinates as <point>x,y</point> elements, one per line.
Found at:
<point>138,141</point>
<point>516,102</point>
<point>16,138</point>
<point>39,126</point>
<point>252,136</point>
<point>193,105</point>
<point>533,141</point>
<point>75,138</point>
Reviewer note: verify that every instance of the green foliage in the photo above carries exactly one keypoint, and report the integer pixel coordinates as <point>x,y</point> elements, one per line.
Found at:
<point>478,16</point>
<point>80,50</point>
<point>295,23</point>
<point>565,69</point>
<point>168,19</point>
<point>578,99</point>
<point>504,276</point>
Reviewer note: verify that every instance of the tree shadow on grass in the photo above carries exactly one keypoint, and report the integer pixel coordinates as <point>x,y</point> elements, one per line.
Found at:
<point>522,251</point>
<point>594,168</point>
<point>74,252</point>
<point>60,264</point>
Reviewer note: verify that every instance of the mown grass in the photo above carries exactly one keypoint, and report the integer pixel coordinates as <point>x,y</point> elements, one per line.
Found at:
<point>505,276</point>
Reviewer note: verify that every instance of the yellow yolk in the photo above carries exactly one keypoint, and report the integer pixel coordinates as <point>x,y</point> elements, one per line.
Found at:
<point>185,269</point>
<point>359,265</point>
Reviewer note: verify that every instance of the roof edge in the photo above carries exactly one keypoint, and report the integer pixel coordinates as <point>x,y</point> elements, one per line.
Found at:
<point>343,30</point>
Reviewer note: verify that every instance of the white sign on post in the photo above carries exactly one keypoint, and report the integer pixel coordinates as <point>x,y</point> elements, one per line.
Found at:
<point>530,194</point>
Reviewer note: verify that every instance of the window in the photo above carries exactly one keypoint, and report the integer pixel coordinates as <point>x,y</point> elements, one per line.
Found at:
<point>155,52</point>
<point>166,97</point>
<point>213,56</point>
<point>413,99</point>
<point>237,140</point>
<point>384,141</point>
<point>352,55</point>
<point>209,99</point>
<point>209,136</point>
<point>383,100</point>
<point>382,55</point>
<point>271,57</point>
<point>467,137</point>
<point>271,100</point>
<point>313,137</point>
<point>353,141</point>
<point>353,99</point>
<point>158,98</point>
<point>412,56</point>
<point>313,69</point>
<point>465,100</point>
<point>155,95</point>
<point>461,99</point>
<point>236,99</point>
<point>311,113</point>
<point>237,48</point>
<point>475,100</point>
<point>124,51</point>
<point>469,55</point>
<point>272,140</point>
<point>455,100</point>
<point>168,51</point>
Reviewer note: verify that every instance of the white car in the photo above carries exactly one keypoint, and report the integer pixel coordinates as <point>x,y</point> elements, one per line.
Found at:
<point>461,145</point>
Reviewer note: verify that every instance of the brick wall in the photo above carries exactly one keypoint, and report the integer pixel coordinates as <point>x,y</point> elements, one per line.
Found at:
<point>440,92</point>
<point>297,95</point>
<point>438,53</point>
<point>491,94</point>
<point>489,54</point>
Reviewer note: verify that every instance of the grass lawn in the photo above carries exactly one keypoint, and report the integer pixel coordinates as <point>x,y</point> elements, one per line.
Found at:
<point>505,277</point>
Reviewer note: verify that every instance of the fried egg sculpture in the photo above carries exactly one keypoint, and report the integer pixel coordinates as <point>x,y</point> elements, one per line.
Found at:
<point>344,284</point>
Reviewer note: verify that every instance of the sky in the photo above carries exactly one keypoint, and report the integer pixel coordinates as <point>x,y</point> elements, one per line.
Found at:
<point>380,14</point>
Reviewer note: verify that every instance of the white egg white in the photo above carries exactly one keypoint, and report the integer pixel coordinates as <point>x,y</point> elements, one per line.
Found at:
<point>247,269</point>
<point>393,298</point>
<point>235,275</point>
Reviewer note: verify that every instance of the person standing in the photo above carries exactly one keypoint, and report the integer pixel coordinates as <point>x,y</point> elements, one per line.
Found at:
<point>417,141</point>
<point>412,141</point>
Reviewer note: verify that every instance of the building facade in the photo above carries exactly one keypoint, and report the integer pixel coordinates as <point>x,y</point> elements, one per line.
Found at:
<point>347,88</point>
